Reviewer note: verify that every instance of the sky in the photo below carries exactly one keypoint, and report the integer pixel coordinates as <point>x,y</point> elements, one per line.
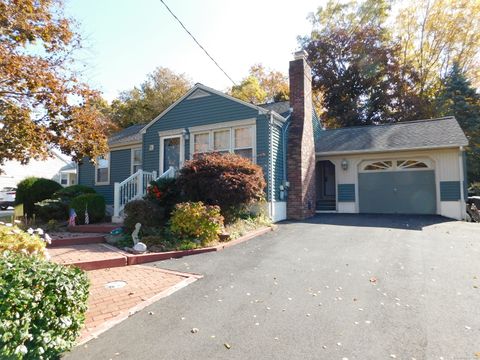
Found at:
<point>124,40</point>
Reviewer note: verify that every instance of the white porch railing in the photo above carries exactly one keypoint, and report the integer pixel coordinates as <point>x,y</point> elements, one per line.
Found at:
<point>132,188</point>
<point>170,173</point>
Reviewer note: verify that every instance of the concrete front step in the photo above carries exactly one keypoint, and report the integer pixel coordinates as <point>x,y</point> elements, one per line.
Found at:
<point>94,228</point>
<point>88,256</point>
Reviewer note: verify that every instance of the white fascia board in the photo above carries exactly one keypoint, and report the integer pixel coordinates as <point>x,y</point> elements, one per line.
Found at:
<point>332,153</point>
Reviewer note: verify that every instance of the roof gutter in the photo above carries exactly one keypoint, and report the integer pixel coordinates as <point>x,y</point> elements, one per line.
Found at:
<point>319,153</point>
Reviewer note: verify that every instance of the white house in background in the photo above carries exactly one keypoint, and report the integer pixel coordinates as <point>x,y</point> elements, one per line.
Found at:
<point>59,168</point>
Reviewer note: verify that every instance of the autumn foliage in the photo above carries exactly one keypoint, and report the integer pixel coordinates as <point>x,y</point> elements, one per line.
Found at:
<point>227,180</point>
<point>43,103</point>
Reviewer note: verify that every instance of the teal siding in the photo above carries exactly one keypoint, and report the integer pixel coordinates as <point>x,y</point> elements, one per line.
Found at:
<point>346,192</point>
<point>397,192</point>
<point>196,112</point>
<point>120,166</point>
<point>450,190</point>
<point>277,158</point>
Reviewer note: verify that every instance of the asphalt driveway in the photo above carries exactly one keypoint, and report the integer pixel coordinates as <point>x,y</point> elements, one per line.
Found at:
<point>335,287</point>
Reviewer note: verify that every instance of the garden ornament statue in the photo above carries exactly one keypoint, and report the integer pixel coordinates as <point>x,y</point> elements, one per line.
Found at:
<point>137,245</point>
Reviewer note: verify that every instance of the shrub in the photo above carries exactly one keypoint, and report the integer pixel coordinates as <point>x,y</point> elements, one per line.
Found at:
<point>32,190</point>
<point>70,192</point>
<point>229,181</point>
<point>144,212</point>
<point>165,193</point>
<point>42,307</point>
<point>52,209</point>
<point>16,240</point>
<point>196,221</point>
<point>95,205</point>
<point>474,189</point>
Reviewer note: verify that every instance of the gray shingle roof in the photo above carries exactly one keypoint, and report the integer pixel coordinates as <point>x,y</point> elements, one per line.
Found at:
<point>282,107</point>
<point>432,133</point>
<point>128,135</point>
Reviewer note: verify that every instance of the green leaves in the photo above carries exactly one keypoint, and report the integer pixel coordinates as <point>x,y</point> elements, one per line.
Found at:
<point>42,307</point>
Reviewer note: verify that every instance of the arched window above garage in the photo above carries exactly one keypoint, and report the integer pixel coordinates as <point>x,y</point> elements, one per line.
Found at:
<point>396,165</point>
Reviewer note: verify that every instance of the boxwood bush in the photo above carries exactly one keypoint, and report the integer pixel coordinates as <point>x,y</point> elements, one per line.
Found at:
<point>196,221</point>
<point>94,203</point>
<point>42,306</point>
<point>227,180</point>
<point>52,209</point>
<point>32,190</point>
<point>70,192</point>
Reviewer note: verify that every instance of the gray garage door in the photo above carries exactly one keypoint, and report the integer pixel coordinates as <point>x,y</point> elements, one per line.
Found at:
<point>397,192</point>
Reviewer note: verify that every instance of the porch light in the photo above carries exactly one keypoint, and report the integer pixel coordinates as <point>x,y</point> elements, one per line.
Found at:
<point>344,164</point>
<point>186,134</point>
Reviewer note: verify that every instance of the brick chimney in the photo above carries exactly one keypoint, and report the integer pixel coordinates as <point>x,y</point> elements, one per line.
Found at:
<point>301,147</point>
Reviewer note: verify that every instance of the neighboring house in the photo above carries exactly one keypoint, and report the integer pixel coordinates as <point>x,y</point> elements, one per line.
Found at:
<point>407,168</point>
<point>57,167</point>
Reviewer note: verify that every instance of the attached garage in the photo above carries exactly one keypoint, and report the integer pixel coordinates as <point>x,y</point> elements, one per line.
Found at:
<point>415,167</point>
<point>397,187</point>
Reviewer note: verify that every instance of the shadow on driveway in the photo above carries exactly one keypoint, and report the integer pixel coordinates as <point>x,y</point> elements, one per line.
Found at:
<point>395,221</point>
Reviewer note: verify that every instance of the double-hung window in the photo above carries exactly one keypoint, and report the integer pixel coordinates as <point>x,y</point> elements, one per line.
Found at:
<point>102,170</point>
<point>239,140</point>
<point>136,159</point>
<point>243,142</point>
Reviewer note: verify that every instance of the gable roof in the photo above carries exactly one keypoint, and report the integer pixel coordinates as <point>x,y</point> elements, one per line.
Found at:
<point>128,135</point>
<point>421,134</point>
<point>204,88</point>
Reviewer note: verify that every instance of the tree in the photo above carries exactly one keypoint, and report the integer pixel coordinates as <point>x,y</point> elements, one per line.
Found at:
<point>355,66</point>
<point>434,34</point>
<point>460,99</point>
<point>42,102</point>
<point>141,105</point>
<point>262,85</point>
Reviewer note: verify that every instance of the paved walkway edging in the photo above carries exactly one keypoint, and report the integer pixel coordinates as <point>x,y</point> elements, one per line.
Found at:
<point>134,259</point>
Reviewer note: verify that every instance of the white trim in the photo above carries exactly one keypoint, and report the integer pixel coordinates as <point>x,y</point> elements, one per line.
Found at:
<point>172,132</point>
<point>97,183</point>
<point>213,91</point>
<point>132,150</point>
<point>354,152</point>
<point>182,150</point>
<point>463,210</point>
<point>125,146</point>
<point>222,125</point>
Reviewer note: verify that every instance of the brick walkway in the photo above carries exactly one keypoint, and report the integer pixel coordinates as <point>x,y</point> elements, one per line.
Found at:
<point>144,285</point>
<point>87,253</point>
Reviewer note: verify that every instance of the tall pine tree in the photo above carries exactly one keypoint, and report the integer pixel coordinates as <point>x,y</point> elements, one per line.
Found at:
<point>460,99</point>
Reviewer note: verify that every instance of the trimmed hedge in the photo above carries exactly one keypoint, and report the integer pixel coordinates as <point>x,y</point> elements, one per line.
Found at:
<point>70,192</point>
<point>33,190</point>
<point>227,180</point>
<point>144,212</point>
<point>52,209</point>
<point>93,203</point>
<point>42,307</point>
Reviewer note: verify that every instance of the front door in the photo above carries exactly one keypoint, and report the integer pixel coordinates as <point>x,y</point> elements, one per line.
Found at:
<point>171,153</point>
<point>326,194</point>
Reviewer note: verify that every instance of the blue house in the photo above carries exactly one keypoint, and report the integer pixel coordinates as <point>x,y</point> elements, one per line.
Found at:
<point>415,168</point>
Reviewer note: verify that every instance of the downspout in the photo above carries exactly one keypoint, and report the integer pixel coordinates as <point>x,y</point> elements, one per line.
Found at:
<point>270,166</point>
<point>463,210</point>
<point>284,188</point>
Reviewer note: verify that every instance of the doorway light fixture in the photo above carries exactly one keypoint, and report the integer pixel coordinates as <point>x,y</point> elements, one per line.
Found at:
<point>344,164</point>
<point>186,134</point>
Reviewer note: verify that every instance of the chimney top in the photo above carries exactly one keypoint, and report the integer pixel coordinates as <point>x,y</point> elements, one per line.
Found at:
<point>300,54</point>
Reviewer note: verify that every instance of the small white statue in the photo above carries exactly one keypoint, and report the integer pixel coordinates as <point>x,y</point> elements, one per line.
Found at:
<point>137,245</point>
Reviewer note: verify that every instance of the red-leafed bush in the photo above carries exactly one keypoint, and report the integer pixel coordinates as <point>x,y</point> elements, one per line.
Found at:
<point>227,180</point>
